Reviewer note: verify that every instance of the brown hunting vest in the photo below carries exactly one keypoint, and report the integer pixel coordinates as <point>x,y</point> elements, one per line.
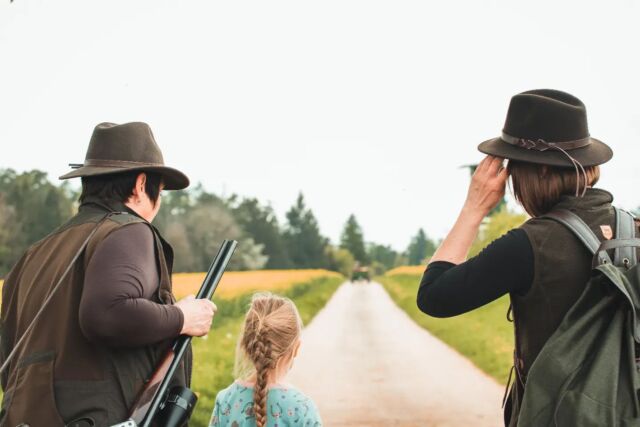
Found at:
<point>562,268</point>
<point>58,376</point>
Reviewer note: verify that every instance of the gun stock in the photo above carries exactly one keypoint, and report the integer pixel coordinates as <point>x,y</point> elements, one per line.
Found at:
<point>150,399</point>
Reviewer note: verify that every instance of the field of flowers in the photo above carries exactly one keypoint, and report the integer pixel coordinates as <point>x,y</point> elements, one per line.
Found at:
<point>406,270</point>
<point>236,283</point>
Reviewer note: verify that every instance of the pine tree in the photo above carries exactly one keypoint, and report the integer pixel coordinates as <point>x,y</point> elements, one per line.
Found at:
<point>305,244</point>
<point>262,225</point>
<point>420,248</point>
<point>352,240</point>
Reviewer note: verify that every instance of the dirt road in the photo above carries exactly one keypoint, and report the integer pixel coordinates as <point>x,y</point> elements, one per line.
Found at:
<point>366,363</point>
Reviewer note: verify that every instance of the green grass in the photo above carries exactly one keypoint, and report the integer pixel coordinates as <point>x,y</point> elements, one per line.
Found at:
<point>214,356</point>
<point>483,335</point>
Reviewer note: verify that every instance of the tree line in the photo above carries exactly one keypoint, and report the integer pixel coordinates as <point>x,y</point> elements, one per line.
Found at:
<point>195,221</point>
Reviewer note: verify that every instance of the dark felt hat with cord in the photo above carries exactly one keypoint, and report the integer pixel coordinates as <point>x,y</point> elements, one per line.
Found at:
<point>127,147</point>
<point>547,127</point>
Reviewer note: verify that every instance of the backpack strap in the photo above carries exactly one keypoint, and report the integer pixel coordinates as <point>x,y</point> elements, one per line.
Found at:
<point>625,229</point>
<point>581,230</point>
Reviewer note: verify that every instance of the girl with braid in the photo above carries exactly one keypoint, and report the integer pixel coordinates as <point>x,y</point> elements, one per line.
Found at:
<point>268,345</point>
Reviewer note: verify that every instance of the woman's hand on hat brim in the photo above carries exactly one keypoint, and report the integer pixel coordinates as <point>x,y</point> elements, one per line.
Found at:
<point>487,186</point>
<point>485,192</point>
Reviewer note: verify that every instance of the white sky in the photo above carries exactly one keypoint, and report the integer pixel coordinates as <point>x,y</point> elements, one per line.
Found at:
<point>366,106</point>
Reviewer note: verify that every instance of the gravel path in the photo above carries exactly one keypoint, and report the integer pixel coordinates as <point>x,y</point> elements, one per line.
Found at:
<point>366,363</point>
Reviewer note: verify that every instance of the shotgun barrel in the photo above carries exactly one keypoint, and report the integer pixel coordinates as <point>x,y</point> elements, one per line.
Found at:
<point>152,396</point>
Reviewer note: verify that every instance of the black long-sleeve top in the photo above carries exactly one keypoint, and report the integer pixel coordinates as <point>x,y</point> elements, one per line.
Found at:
<point>505,266</point>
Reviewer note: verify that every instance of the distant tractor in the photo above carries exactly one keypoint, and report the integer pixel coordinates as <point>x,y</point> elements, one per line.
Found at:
<point>360,274</point>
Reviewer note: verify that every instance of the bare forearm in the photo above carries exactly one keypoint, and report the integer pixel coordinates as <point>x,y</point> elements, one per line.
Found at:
<point>485,191</point>
<point>455,247</point>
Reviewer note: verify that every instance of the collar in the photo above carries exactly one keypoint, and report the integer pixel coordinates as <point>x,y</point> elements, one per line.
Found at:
<point>107,205</point>
<point>594,198</point>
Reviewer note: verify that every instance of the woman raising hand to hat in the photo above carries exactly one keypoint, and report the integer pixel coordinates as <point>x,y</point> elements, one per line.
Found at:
<point>485,192</point>
<point>553,164</point>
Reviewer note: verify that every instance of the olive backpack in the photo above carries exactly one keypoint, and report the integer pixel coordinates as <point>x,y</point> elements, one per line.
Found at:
<point>587,372</point>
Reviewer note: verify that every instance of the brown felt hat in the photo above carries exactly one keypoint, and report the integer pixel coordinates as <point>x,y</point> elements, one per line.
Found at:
<point>127,147</point>
<point>547,127</point>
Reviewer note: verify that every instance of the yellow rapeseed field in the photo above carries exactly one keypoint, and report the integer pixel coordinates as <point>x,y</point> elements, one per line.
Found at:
<point>406,270</point>
<point>236,283</point>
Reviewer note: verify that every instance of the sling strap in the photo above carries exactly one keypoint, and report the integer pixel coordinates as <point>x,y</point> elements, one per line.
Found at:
<point>577,226</point>
<point>625,229</point>
<point>625,252</point>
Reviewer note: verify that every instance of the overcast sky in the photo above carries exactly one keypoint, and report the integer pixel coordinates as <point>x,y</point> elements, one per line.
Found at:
<point>368,107</point>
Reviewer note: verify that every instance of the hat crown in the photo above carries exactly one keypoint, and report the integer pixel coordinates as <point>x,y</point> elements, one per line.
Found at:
<point>127,147</point>
<point>547,114</point>
<point>128,142</point>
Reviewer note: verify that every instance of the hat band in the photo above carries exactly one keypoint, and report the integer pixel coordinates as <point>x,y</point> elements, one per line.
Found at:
<point>118,163</point>
<point>542,145</point>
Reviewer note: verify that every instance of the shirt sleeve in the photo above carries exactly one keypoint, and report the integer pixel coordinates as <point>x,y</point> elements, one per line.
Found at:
<point>121,278</point>
<point>313,420</point>
<point>505,266</point>
<point>215,416</point>
<point>312,416</point>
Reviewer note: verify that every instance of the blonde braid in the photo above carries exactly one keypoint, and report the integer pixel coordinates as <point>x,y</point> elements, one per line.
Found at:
<point>264,364</point>
<point>271,328</point>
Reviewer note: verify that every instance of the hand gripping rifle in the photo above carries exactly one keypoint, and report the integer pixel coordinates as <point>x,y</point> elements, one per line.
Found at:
<point>155,406</point>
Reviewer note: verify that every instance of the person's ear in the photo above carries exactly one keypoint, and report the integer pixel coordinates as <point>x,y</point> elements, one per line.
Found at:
<point>139,188</point>
<point>296,349</point>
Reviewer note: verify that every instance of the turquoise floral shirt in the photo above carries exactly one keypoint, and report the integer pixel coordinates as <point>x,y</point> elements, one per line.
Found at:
<point>286,407</point>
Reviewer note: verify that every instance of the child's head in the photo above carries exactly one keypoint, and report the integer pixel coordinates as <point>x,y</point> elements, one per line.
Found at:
<point>269,342</point>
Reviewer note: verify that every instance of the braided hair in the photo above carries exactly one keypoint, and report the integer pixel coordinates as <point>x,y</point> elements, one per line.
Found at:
<point>271,329</point>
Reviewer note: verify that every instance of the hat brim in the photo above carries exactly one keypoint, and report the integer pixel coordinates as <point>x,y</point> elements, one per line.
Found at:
<point>172,178</point>
<point>593,154</point>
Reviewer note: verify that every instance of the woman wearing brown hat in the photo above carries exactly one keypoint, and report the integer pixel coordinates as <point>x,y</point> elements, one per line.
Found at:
<point>112,313</point>
<point>553,163</point>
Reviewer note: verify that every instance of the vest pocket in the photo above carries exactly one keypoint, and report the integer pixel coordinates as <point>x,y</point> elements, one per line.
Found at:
<point>84,400</point>
<point>32,399</point>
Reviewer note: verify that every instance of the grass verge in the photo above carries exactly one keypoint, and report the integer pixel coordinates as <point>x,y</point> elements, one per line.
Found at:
<point>483,335</point>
